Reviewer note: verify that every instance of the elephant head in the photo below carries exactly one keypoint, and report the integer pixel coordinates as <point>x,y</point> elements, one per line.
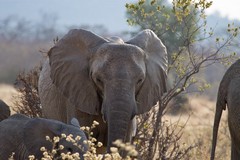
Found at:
<point>25,136</point>
<point>110,77</point>
<point>36,130</point>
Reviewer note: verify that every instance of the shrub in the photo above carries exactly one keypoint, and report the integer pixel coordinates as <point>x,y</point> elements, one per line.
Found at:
<point>27,102</point>
<point>167,143</point>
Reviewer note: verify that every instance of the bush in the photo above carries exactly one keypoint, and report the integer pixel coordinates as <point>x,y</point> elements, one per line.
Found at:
<point>167,144</point>
<point>27,102</point>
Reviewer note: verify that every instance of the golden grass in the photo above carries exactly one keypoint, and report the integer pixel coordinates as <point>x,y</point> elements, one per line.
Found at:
<point>199,130</point>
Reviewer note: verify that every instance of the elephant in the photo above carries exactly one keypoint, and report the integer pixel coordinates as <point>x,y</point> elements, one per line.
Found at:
<point>104,79</point>
<point>4,110</point>
<point>25,136</point>
<point>229,95</point>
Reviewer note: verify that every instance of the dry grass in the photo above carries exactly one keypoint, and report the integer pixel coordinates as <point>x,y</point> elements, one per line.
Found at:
<point>198,130</point>
<point>28,101</point>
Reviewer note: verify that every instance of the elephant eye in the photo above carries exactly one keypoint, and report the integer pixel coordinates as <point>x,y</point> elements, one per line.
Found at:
<point>98,80</point>
<point>139,81</point>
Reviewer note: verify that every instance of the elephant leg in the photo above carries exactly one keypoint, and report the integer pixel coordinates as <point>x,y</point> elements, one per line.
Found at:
<point>99,132</point>
<point>234,153</point>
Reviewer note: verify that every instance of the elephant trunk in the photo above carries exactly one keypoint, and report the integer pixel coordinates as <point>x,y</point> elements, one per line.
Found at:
<point>119,107</point>
<point>219,108</point>
<point>118,116</point>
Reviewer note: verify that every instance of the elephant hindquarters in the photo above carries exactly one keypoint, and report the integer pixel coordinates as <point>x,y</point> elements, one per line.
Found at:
<point>233,103</point>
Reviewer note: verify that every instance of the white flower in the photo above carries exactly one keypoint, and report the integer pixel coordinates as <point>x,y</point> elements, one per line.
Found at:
<point>63,135</point>
<point>78,138</point>
<point>87,128</point>
<point>95,123</point>
<point>54,151</point>
<point>61,147</point>
<point>45,154</point>
<point>128,148</point>
<point>99,144</point>
<point>47,138</point>
<point>82,128</point>
<point>133,152</point>
<point>56,139</point>
<point>94,140</point>
<point>75,155</point>
<point>114,149</point>
<point>117,142</point>
<point>31,157</point>
<point>42,149</point>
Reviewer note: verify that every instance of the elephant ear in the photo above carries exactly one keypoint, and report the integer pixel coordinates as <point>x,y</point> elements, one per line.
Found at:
<point>35,132</point>
<point>69,61</point>
<point>74,122</point>
<point>156,62</point>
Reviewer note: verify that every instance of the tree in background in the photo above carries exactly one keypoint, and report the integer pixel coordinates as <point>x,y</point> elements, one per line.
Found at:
<point>159,16</point>
<point>192,47</point>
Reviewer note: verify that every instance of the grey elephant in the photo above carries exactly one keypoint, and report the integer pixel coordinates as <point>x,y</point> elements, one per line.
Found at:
<point>25,136</point>
<point>229,95</point>
<point>108,80</point>
<point>4,110</point>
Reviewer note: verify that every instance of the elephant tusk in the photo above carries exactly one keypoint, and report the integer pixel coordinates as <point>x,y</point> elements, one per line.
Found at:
<point>103,117</point>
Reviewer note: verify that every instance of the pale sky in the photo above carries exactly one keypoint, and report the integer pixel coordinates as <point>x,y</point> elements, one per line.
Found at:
<point>110,13</point>
<point>226,8</point>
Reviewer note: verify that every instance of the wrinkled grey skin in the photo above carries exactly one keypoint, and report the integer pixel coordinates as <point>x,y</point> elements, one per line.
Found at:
<point>229,95</point>
<point>107,80</point>
<point>25,136</point>
<point>4,110</point>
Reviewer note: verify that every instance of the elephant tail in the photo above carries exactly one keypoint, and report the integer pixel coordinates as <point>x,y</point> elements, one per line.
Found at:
<point>220,106</point>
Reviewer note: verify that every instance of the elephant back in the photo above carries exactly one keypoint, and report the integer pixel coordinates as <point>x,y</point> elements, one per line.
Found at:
<point>232,72</point>
<point>11,130</point>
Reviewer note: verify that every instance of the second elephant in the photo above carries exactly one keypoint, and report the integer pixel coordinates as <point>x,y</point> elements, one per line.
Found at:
<point>108,80</point>
<point>25,136</point>
<point>229,95</point>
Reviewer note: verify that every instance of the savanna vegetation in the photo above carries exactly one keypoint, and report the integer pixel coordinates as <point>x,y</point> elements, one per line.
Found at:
<point>180,126</point>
